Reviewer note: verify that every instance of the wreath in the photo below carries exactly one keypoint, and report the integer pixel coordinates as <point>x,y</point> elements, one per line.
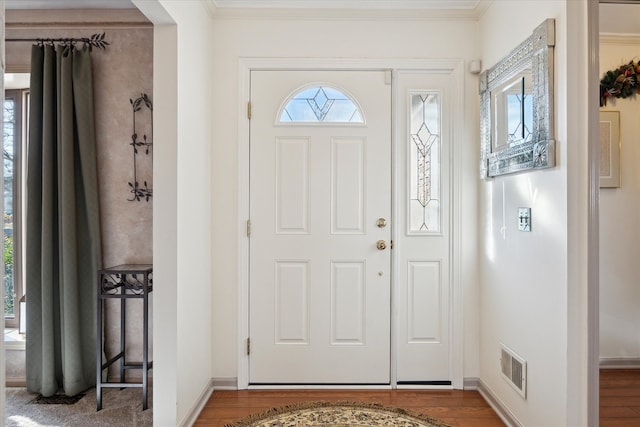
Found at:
<point>620,83</point>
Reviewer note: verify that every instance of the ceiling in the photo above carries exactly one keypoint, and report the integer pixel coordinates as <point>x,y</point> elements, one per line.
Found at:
<point>68,4</point>
<point>264,4</point>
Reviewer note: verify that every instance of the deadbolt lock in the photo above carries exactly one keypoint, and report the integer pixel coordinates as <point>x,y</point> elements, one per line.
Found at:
<point>381,223</point>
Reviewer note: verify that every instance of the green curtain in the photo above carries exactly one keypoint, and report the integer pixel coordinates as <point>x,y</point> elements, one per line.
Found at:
<point>63,247</point>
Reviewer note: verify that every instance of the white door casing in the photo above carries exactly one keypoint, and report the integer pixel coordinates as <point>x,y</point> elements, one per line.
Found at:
<point>319,287</point>
<point>454,70</point>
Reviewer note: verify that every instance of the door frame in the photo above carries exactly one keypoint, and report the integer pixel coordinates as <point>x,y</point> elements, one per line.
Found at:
<point>455,68</point>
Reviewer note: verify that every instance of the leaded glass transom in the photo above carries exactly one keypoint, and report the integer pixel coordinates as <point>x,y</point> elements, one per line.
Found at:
<point>424,169</point>
<point>320,104</point>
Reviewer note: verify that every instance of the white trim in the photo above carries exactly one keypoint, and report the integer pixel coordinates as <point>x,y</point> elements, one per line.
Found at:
<point>451,66</point>
<point>348,15</point>
<point>455,227</point>
<point>395,312</point>
<point>593,221</point>
<point>344,10</point>
<point>350,4</point>
<point>192,415</point>
<point>619,362</point>
<point>627,39</point>
<point>494,401</point>
<point>225,384</point>
<point>244,82</point>
<point>471,383</point>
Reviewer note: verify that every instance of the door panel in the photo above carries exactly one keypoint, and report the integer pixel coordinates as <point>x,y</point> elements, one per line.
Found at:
<point>319,286</point>
<point>423,229</point>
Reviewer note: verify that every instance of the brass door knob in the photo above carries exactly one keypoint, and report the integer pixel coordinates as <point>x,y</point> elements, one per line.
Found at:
<point>381,245</point>
<point>381,222</point>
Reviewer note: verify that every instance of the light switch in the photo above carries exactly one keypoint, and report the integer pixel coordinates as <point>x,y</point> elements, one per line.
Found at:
<point>524,219</point>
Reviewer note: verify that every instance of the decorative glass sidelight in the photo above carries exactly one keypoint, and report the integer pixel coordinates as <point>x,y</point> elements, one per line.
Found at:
<point>320,104</point>
<point>424,167</point>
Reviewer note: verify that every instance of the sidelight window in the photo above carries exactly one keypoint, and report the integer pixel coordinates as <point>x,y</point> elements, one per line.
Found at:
<point>424,168</point>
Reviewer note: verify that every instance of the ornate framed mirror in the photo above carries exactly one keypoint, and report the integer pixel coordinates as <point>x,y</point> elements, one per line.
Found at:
<point>516,107</point>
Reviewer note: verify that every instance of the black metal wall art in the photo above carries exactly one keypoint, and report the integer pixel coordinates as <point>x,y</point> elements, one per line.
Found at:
<point>142,150</point>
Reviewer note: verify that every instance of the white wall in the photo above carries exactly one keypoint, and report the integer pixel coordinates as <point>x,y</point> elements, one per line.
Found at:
<point>182,206</point>
<point>313,37</point>
<point>619,226</point>
<point>523,296</point>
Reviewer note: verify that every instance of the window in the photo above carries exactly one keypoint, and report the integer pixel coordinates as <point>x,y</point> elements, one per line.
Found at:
<point>14,137</point>
<point>519,116</point>
<point>320,104</point>
<point>424,168</point>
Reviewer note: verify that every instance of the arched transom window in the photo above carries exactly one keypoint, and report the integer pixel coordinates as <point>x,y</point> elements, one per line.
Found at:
<point>320,104</point>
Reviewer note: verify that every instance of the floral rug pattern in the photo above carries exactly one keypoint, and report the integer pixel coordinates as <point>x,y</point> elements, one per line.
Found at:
<point>338,414</point>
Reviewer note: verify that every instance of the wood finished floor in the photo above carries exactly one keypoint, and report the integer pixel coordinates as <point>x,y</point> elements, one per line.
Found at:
<point>619,402</point>
<point>619,397</point>
<point>456,407</point>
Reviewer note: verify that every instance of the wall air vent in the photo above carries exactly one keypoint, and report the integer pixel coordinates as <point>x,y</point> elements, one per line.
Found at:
<point>514,370</point>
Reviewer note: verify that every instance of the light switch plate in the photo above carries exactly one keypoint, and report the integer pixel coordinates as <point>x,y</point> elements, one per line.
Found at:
<point>524,219</point>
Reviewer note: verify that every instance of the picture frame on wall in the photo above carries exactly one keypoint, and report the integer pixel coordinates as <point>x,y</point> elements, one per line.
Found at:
<point>609,149</point>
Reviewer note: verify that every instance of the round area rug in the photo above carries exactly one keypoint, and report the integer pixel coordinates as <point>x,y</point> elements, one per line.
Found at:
<point>338,414</point>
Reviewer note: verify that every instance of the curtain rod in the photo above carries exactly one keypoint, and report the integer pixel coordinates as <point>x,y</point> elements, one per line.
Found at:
<point>96,40</point>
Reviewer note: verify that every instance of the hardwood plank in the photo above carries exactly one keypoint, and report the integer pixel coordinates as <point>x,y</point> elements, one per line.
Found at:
<point>619,402</point>
<point>458,408</point>
<point>619,397</point>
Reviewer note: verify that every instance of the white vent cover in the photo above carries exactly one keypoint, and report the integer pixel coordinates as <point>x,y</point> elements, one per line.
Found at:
<point>514,370</point>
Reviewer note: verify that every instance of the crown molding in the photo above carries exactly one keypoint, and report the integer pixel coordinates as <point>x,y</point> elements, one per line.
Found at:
<point>351,4</point>
<point>613,38</point>
<point>210,6</point>
<point>350,9</point>
<point>347,15</point>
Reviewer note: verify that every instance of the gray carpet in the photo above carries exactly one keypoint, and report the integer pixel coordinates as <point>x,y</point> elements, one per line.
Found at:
<point>121,408</point>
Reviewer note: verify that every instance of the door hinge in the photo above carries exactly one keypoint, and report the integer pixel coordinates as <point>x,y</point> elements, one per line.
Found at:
<point>248,228</point>
<point>249,110</point>
<point>391,245</point>
<point>248,346</point>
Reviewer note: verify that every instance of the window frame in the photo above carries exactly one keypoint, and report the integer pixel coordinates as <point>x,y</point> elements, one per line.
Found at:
<point>20,97</point>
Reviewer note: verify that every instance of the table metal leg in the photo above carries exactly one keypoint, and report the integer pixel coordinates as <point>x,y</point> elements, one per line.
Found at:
<point>123,320</point>
<point>145,344</point>
<point>99,347</point>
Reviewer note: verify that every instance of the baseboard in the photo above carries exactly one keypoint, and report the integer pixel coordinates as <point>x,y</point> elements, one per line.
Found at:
<point>470,383</point>
<point>619,363</point>
<point>15,382</point>
<point>225,383</point>
<point>503,412</point>
<point>192,415</point>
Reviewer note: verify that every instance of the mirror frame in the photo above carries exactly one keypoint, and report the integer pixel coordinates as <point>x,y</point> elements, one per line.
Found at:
<point>535,53</point>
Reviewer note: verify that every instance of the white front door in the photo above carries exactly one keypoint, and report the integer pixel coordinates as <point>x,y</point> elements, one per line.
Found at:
<point>320,191</point>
